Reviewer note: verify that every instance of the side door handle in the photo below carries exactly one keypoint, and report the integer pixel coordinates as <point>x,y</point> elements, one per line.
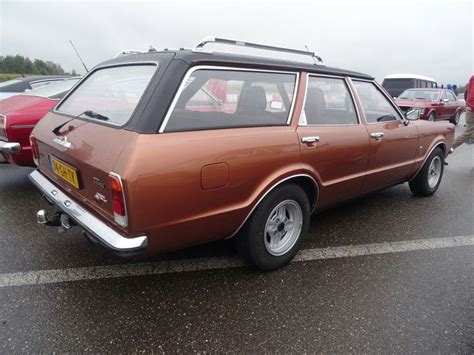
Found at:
<point>312,139</point>
<point>376,135</point>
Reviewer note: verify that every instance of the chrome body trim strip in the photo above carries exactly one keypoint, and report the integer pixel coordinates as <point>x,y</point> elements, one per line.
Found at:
<point>269,190</point>
<point>201,67</point>
<point>92,225</point>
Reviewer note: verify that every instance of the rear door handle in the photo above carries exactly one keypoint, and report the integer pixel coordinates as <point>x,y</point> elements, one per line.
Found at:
<point>312,139</point>
<point>376,135</point>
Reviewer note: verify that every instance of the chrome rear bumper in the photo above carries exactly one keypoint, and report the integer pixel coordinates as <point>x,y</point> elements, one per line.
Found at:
<point>91,225</point>
<point>9,147</point>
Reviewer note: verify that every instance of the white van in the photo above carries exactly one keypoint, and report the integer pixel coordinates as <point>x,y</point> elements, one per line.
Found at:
<point>395,84</point>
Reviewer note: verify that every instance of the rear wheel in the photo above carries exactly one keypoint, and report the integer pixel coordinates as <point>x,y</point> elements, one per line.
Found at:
<point>455,120</point>
<point>429,177</point>
<point>431,117</point>
<point>275,231</point>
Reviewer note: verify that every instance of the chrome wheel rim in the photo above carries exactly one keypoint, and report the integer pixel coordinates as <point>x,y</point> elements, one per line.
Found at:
<point>283,227</point>
<point>434,171</point>
<point>458,116</point>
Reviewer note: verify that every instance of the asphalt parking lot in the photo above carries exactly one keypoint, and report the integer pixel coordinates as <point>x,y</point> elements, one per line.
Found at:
<point>385,273</point>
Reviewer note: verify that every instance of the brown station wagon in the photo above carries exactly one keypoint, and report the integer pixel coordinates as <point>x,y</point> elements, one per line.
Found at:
<point>158,151</point>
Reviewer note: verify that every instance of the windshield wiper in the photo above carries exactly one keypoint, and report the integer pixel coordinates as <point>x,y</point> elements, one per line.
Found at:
<point>88,113</point>
<point>93,114</point>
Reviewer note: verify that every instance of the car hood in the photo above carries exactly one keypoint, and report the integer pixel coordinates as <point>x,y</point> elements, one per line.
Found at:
<point>19,102</point>
<point>413,103</point>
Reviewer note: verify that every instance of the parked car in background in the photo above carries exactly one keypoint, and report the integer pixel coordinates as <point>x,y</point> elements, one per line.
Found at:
<point>15,86</point>
<point>395,84</point>
<point>19,115</point>
<point>131,156</point>
<point>432,104</point>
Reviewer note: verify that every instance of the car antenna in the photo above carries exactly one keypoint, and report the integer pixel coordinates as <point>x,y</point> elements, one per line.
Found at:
<point>73,46</point>
<point>315,60</point>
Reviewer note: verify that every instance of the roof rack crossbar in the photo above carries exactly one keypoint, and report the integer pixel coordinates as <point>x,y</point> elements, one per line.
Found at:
<point>232,42</point>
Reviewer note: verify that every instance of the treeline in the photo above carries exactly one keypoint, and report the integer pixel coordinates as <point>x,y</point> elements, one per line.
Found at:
<point>23,65</point>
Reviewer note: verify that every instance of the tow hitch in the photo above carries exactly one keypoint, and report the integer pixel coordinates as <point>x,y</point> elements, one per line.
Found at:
<point>61,220</point>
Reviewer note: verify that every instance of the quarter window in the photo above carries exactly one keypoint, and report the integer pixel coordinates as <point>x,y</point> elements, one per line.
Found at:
<point>221,98</point>
<point>377,107</point>
<point>328,101</point>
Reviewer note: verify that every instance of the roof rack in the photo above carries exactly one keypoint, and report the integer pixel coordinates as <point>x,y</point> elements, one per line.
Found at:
<point>317,59</point>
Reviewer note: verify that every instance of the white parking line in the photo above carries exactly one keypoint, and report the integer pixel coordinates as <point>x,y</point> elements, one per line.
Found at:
<point>165,267</point>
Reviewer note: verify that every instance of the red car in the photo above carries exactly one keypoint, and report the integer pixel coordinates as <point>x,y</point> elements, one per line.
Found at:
<point>20,113</point>
<point>432,104</point>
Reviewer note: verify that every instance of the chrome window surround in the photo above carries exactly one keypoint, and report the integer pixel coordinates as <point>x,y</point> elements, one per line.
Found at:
<point>227,68</point>
<point>387,96</point>
<point>269,190</point>
<point>93,70</point>
<point>348,87</point>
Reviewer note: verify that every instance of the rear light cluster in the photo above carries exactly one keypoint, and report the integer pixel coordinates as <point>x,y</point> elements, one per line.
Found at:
<point>3,127</point>
<point>118,199</point>
<point>34,150</point>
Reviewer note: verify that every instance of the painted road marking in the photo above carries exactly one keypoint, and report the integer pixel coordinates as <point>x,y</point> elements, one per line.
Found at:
<point>42,277</point>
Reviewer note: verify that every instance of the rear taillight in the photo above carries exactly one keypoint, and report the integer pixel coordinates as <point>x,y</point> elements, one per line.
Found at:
<point>34,150</point>
<point>3,126</point>
<point>118,199</point>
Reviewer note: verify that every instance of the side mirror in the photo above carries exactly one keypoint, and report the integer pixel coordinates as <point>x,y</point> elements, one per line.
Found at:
<point>412,115</point>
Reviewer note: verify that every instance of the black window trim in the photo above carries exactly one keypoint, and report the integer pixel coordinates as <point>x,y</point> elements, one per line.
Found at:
<point>346,82</point>
<point>95,69</point>
<point>387,96</point>
<point>191,70</point>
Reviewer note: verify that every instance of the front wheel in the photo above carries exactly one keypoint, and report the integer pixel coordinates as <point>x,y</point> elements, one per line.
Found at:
<point>275,231</point>
<point>456,118</point>
<point>429,177</point>
<point>431,117</point>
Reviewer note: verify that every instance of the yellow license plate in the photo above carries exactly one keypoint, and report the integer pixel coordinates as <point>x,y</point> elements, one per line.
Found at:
<point>65,172</point>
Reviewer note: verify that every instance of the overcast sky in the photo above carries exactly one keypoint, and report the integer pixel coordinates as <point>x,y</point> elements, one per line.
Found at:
<point>379,38</point>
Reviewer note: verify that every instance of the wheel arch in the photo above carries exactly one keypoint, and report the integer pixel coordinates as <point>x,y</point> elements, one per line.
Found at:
<point>307,182</point>
<point>440,144</point>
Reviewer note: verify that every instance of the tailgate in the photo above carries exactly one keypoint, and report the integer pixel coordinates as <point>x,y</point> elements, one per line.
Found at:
<point>81,157</point>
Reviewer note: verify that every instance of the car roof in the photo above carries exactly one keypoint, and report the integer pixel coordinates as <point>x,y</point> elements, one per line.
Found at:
<point>218,58</point>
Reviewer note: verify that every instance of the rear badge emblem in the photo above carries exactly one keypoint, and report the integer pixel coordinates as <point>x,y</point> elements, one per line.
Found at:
<point>63,142</point>
<point>98,182</point>
<point>99,197</point>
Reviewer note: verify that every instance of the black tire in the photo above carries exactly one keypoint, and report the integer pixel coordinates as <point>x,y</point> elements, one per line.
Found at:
<point>432,117</point>
<point>251,242</point>
<point>420,185</point>
<point>455,120</point>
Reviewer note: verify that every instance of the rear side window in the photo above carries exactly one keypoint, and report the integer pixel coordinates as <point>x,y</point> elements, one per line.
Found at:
<point>377,107</point>
<point>221,98</point>
<point>328,101</point>
<point>113,92</point>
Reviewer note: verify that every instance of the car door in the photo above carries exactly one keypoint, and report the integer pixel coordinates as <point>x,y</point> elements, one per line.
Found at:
<point>332,140</point>
<point>393,144</point>
<point>451,104</point>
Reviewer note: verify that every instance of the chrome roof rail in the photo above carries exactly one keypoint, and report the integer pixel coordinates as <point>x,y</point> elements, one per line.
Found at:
<point>317,59</point>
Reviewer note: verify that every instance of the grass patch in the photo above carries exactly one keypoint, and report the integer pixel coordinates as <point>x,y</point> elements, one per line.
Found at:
<point>5,77</point>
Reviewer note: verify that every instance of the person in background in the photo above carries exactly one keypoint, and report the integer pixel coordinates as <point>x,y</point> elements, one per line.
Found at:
<point>449,87</point>
<point>468,134</point>
<point>455,89</point>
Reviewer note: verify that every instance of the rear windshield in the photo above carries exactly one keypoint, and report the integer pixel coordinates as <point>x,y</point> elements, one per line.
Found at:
<point>419,95</point>
<point>111,92</point>
<point>55,90</point>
